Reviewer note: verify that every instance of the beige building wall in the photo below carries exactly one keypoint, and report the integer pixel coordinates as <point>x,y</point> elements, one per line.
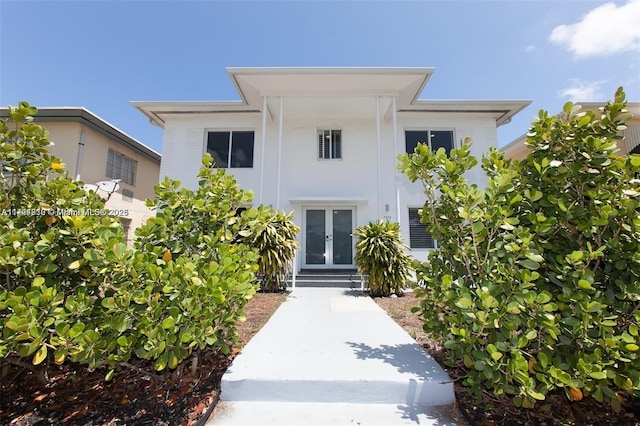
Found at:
<point>70,127</point>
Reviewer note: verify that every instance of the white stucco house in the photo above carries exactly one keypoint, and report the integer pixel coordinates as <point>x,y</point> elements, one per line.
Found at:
<point>324,142</point>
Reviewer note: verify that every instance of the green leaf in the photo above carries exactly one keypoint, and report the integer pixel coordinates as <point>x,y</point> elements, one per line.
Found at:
<point>529,264</point>
<point>40,355</point>
<point>168,322</point>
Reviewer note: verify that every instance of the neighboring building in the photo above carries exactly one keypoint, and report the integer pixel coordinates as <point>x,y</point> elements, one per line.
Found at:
<point>630,144</point>
<point>324,142</point>
<point>95,151</point>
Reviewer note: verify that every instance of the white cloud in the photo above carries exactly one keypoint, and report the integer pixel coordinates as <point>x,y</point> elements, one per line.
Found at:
<point>530,48</point>
<point>581,90</point>
<point>606,30</point>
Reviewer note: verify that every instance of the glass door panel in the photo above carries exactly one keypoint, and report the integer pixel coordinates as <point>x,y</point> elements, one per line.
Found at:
<point>315,237</point>
<point>342,227</point>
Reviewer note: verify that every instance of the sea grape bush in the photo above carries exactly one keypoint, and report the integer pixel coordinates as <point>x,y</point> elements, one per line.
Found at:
<point>49,291</point>
<point>71,289</point>
<point>535,285</point>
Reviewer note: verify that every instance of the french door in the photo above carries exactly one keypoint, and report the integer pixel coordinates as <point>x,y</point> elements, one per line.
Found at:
<point>327,237</point>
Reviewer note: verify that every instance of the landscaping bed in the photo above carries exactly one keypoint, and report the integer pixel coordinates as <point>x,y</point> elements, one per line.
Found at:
<point>75,396</point>
<point>136,395</point>
<point>556,409</point>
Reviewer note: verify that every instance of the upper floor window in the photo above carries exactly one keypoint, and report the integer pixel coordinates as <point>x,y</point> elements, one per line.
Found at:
<point>329,144</point>
<point>232,149</point>
<point>119,166</point>
<point>434,138</point>
<point>419,237</point>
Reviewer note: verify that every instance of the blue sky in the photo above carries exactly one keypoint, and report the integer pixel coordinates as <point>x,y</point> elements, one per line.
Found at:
<point>101,55</point>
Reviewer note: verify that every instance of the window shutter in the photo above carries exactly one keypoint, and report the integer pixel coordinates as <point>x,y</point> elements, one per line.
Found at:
<point>419,238</point>
<point>320,144</point>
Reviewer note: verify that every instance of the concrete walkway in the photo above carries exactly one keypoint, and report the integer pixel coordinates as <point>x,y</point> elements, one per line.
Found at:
<point>333,356</point>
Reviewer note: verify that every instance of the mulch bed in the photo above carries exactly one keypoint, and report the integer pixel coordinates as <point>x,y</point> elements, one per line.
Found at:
<point>556,409</point>
<point>138,395</point>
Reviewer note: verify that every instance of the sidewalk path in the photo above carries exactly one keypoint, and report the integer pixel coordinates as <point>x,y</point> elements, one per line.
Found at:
<point>333,356</point>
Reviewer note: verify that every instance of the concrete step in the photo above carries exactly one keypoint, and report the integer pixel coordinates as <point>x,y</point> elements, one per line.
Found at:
<point>331,278</point>
<point>322,414</point>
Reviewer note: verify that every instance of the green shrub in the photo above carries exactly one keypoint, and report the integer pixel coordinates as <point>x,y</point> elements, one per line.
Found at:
<point>71,289</point>
<point>49,292</point>
<point>274,236</point>
<point>536,283</point>
<point>381,256</point>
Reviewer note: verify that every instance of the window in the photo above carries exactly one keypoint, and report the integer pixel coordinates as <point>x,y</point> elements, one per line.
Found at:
<point>119,166</point>
<point>329,144</point>
<point>419,238</point>
<point>232,149</point>
<point>435,138</point>
<point>127,195</point>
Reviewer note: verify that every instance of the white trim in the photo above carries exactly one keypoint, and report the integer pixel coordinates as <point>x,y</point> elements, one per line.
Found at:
<point>329,201</point>
<point>279,153</point>
<point>396,152</point>
<point>379,156</point>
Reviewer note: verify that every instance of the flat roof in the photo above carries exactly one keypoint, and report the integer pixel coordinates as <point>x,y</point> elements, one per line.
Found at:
<point>86,117</point>
<point>406,83</point>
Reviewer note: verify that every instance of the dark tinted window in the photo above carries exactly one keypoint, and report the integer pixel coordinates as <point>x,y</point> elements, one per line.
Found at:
<point>231,149</point>
<point>419,238</point>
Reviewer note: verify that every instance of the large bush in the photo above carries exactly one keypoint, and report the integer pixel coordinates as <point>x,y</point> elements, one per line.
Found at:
<point>71,289</point>
<point>49,292</point>
<point>536,283</point>
<point>381,257</point>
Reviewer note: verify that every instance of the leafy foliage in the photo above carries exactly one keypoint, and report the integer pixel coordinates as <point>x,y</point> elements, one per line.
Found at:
<point>536,283</point>
<point>381,256</point>
<point>72,289</point>
<point>49,292</point>
<point>274,236</point>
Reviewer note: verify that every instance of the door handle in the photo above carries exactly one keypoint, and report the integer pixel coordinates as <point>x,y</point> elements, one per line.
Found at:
<point>328,237</point>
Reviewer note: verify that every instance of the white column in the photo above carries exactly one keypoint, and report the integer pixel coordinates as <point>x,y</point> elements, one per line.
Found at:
<point>397,152</point>
<point>379,159</point>
<point>263,148</point>
<point>279,153</point>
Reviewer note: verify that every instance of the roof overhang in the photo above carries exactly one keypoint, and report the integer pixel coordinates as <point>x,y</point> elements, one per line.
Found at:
<point>84,116</point>
<point>406,84</point>
<point>501,110</point>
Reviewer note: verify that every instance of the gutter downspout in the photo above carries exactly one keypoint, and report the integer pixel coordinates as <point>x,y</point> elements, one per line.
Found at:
<point>80,152</point>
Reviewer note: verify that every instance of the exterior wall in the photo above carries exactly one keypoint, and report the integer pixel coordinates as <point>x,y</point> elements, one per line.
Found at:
<point>66,137</point>
<point>308,182</point>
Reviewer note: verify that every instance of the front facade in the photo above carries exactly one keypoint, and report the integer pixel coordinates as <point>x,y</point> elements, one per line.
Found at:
<point>323,142</point>
<point>94,151</point>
